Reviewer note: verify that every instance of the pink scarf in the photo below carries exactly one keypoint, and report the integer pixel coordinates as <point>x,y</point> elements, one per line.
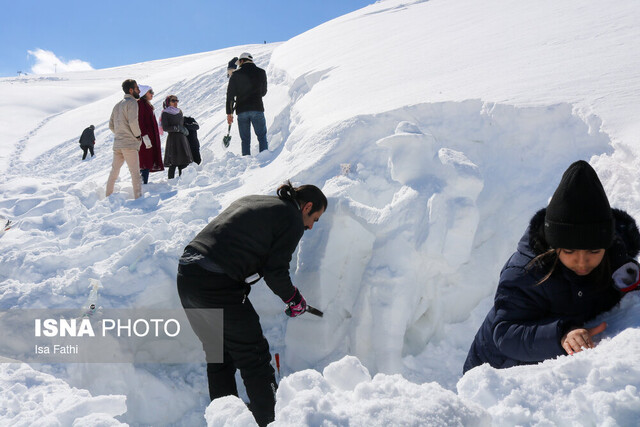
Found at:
<point>168,110</point>
<point>171,110</point>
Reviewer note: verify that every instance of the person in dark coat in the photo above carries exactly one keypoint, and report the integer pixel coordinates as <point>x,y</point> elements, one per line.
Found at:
<point>193,126</point>
<point>150,153</point>
<point>255,236</point>
<point>247,86</point>
<point>177,152</point>
<point>575,261</point>
<point>87,141</point>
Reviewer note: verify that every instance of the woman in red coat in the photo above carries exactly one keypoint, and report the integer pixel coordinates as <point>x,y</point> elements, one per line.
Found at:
<point>150,153</point>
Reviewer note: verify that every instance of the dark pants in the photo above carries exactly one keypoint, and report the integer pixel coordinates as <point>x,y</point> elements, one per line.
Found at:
<point>245,347</point>
<point>85,149</point>
<point>172,171</point>
<point>144,173</point>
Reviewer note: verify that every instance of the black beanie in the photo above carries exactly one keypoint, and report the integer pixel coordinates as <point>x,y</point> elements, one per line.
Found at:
<point>579,215</point>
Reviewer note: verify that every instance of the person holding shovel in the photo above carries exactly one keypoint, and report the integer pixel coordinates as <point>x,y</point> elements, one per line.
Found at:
<point>254,237</point>
<point>247,86</point>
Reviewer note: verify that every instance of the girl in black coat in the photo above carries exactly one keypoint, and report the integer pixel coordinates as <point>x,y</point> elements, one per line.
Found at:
<point>575,261</point>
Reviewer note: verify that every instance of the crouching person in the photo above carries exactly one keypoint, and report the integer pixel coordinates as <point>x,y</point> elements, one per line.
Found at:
<point>574,262</point>
<point>254,237</point>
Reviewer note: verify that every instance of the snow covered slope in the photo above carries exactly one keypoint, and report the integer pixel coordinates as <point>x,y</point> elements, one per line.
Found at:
<point>436,128</point>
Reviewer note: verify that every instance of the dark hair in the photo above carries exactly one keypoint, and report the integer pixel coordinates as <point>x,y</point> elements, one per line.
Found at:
<point>128,84</point>
<point>303,194</point>
<point>550,258</point>
<point>166,103</point>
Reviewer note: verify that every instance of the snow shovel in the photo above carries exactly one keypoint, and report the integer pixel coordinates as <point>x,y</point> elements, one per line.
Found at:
<point>227,138</point>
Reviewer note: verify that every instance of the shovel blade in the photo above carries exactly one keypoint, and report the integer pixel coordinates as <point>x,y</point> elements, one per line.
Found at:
<point>314,311</point>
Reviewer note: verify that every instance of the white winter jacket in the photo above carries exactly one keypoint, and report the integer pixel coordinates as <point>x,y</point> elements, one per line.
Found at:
<point>124,124</point>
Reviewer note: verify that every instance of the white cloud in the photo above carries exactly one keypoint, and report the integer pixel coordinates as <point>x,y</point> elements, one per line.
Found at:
<point>47,63</point>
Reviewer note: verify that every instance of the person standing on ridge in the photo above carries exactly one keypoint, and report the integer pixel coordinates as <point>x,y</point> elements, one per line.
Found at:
<point>127,138</point>
<point>247,86</point>
<point>150,154</point>
<point>255,236</point>
<point>87,141</point>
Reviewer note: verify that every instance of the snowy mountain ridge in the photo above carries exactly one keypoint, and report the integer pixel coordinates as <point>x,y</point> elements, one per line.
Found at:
<point>436,128</point>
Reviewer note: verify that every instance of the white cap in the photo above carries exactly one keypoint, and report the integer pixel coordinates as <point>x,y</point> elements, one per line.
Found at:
<point>245,55</point>
<point>144,89</point>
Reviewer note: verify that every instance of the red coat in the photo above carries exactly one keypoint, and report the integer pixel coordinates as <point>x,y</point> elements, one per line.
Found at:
<point>150,158</point>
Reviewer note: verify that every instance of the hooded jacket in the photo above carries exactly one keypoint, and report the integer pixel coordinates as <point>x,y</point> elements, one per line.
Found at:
<point>529,318</point>
<point>88,138</point>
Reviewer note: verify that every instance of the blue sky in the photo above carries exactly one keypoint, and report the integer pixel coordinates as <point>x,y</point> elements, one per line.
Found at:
<point>117,32</point>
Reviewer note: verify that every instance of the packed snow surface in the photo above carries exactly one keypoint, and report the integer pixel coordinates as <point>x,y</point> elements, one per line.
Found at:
<point>436,129</point>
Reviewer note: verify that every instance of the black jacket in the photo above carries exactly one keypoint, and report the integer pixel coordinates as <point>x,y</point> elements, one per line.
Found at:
<point>247,86</point>
<point>255,234</point>
<point>87,138</point>
<point>528,319</point>
<point>193,126</point>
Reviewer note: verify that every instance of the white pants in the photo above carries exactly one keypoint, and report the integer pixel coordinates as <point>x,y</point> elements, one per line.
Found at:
<point>129,155</point>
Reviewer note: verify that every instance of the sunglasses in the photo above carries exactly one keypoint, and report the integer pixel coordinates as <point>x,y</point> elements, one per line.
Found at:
<point>173,100</point>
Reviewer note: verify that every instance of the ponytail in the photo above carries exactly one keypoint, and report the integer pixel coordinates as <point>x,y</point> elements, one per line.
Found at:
<point>286,191</point>
<point>303,194</point>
